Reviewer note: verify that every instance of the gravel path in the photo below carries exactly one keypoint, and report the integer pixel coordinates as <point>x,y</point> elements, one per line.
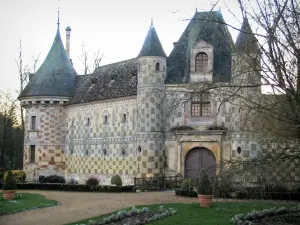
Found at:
<point>76,206</point>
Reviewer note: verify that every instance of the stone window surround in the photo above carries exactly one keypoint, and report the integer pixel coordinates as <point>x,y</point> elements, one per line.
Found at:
<point>37,124</point>
<point>201,47</point>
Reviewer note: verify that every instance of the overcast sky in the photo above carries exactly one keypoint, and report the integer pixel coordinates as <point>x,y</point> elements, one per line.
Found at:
<point>118,27</point>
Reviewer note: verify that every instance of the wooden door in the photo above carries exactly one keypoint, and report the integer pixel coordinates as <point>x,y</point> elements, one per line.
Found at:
<point>198,159</point>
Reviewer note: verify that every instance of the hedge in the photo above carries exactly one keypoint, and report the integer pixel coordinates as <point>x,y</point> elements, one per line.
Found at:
<point>190,193</point>
<point>250,195</point>
<point>75,187</point>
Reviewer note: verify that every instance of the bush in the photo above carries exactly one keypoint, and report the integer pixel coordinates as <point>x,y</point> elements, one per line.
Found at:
<point>116,179</point>
<point>54,179</point>
<point>204,187</point>
<point>187,185</point>
<point>9,182</point>
<point>78,187</point>
<point>1,176</point>
<point>41,178</point>
<point>19,175</point>
<point>92,181</point>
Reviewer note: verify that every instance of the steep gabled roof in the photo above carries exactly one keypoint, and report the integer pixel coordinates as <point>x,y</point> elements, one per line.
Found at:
<point>55,77</point>
<point>109,81</point>
<point>152,45</point>
<point>210,27</point>
<point>246,41</point>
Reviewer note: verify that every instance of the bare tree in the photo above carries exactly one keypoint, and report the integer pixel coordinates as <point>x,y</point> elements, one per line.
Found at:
<point>84,58</point>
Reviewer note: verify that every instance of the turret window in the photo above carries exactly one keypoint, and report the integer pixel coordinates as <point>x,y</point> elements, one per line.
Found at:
<point>200,104</point>
<point>201,62</point>
<point>33,123</point>
<point>32,153</point>
<point>157,67</point>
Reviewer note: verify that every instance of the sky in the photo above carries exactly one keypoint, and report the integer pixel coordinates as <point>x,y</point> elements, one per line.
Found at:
<point>117,27</point>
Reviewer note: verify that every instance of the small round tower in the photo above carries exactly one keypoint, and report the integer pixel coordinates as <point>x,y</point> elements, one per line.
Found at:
<point>44,98</point>
<point>150,94</point>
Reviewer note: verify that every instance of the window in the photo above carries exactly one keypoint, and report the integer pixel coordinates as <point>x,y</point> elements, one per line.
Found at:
<point>139,149</point>
<point>239,150</point>
<point>200,104</point>
<point>105,119</point>
<point>104,152</point>
<point>33,122</point>
<point>88,122</point>
<point>32,153</point>
<point>157,67</point>
<point>201,62</point>
<point>124,118</point>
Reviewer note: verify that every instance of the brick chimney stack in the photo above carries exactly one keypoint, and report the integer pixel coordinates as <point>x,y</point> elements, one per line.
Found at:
<point>68,34</point>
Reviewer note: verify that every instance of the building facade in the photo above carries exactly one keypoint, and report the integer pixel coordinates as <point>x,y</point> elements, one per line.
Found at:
<point>142,116</point>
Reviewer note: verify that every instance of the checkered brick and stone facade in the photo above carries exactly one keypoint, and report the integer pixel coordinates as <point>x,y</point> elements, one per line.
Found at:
<point>47,137</point>
<point>134,118</point>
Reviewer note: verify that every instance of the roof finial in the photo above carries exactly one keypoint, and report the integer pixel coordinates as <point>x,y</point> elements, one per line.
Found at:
<point>151,21</point>
<point>196,8</point>
<point>58,15</point>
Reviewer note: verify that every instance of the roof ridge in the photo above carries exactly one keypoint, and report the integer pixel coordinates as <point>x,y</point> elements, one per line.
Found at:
<point>109,64</point>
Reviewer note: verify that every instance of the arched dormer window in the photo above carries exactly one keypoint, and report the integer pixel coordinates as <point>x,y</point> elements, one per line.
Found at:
<point>201,62</point>
<point>157,67</point>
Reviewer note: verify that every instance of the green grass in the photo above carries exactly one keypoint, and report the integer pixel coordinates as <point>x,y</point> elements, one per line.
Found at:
<point>191,214</point>
<point>24,201</point>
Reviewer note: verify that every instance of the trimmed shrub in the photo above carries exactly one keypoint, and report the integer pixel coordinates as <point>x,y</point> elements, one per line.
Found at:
<point>77,187</point>
<point>204,187</point>
<point>187,185</point>
<point>9,182</point>
<point>54,179</point>
<point>41,178</point>
<point>92,181</point>
<point>20,176</point>
<point>116,179</point>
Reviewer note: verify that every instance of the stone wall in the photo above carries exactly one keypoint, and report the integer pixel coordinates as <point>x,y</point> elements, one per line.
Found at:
<point>101,142</point>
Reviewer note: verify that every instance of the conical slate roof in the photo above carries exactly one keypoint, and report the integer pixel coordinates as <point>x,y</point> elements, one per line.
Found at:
<point>246,41</point>
<point>152,45</point>
<point>55,77</point>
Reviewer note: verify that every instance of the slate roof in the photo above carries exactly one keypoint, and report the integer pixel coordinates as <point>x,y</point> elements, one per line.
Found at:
<point>210,27</point>
<point>152,45</point>
<point>246,41</point>
<point>55,77</point>
<point>110,81</point>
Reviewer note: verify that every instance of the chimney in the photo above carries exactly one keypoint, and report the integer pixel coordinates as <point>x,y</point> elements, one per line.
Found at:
<point>68,33</point>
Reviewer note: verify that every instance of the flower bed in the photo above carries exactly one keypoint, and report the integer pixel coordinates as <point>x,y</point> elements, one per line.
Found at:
<point>75,187</point>
<point>135,216</point>
<point>269,217</point>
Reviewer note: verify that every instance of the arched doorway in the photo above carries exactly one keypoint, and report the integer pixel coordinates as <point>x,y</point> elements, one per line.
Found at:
<point>197,159</point>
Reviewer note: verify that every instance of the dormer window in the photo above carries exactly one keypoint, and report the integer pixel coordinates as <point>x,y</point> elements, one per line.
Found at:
<point>157,67</point>
<point>201,62</point>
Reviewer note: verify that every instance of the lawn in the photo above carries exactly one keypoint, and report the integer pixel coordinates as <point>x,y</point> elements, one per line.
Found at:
<point>191,214</point>
<point>24,201</point>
